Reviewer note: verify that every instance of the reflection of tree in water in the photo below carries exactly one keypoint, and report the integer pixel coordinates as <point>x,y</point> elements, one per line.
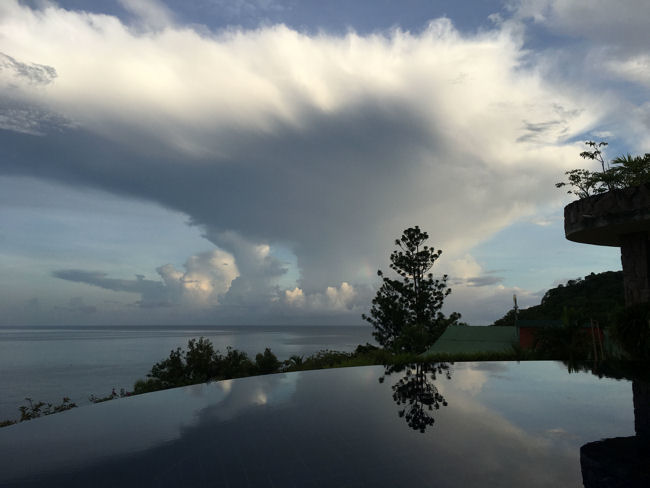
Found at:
<point>416,393</point>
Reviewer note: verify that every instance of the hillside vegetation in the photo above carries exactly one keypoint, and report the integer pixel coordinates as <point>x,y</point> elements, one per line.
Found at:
<point>598,296</point>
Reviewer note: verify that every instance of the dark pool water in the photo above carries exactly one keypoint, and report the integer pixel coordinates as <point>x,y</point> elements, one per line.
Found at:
<point>464,424</point>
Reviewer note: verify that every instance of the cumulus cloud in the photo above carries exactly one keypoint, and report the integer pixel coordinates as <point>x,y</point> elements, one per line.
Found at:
<point>259,271</point>
<point>213,282</point>
<point>327,145</point>
<point>207,277</point>
<point>343,298</point>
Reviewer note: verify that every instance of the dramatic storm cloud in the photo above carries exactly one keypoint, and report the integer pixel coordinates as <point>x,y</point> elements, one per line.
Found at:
<point>323,145</point>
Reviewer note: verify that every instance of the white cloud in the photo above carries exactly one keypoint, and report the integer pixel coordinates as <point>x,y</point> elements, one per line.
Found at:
<point>213,285</point>
<point>478,293</point>
<point>464,267</point>
<point>259,271</point>
<point>623,22</point>
<point>295,297</point>
<point>265,78</point>
<point>13,72</point>
<point>333,299</point>
<point>327,145</point>
<point>633,68</point>
<point>617,32</point>
<point>544,220</point>
<point>207,278</point>
<point>341,297</point>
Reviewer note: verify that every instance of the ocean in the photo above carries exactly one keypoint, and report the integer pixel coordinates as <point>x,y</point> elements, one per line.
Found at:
<point>48,363</point>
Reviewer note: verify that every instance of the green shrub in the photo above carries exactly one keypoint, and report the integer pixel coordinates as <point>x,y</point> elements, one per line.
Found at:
<point>235,364</point>
<point>267,362</point>
<point>39,409</point>
<point>112,396</point>
<point>201,361</point>
<point>147,386</point>
<point>170,372</point>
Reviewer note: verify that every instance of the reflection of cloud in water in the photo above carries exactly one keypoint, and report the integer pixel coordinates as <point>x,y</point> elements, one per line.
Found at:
<point>158,418</point>
<point>245,393</point>
<point>470,380</point>
<point>471,377</point>
<point>367,374</point>
<point>324,421</point>
<point>560,433</point>
<point>226,385</point>
<point>511,447</point>
<point>261,398</point>
<point>496,367</point>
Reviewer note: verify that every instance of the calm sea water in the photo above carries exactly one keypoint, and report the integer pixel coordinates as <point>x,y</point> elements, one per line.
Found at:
<point>51,362</point>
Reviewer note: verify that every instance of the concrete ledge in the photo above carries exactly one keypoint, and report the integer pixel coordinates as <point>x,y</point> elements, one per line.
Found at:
<point>602,219</point>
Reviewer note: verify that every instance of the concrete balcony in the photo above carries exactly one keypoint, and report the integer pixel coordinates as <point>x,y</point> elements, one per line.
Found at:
<point>619,218</point>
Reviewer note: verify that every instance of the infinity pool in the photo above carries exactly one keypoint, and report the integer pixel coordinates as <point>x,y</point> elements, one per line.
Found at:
<point>444,425</point>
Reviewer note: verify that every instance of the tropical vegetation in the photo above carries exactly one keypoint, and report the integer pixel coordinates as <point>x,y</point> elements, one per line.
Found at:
<point>39,409</point>
<point>621,172</point>
<point>597,296</point>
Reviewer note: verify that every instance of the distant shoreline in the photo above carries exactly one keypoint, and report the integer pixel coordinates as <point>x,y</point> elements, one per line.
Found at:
<point>175,327</point>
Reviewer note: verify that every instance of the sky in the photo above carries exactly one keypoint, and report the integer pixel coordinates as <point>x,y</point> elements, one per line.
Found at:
<point>253,161</point>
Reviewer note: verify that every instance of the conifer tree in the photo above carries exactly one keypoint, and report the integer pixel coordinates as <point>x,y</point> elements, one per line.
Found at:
<point>406,311</point>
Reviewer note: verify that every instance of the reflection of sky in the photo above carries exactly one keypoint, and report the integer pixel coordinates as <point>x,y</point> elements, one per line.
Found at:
<point>515,393</point>
<point>132,425</point>
<point>506,424</point>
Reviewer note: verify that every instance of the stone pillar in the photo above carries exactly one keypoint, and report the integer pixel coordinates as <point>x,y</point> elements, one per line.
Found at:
<point>641,398</point>
<point>635,258</point>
